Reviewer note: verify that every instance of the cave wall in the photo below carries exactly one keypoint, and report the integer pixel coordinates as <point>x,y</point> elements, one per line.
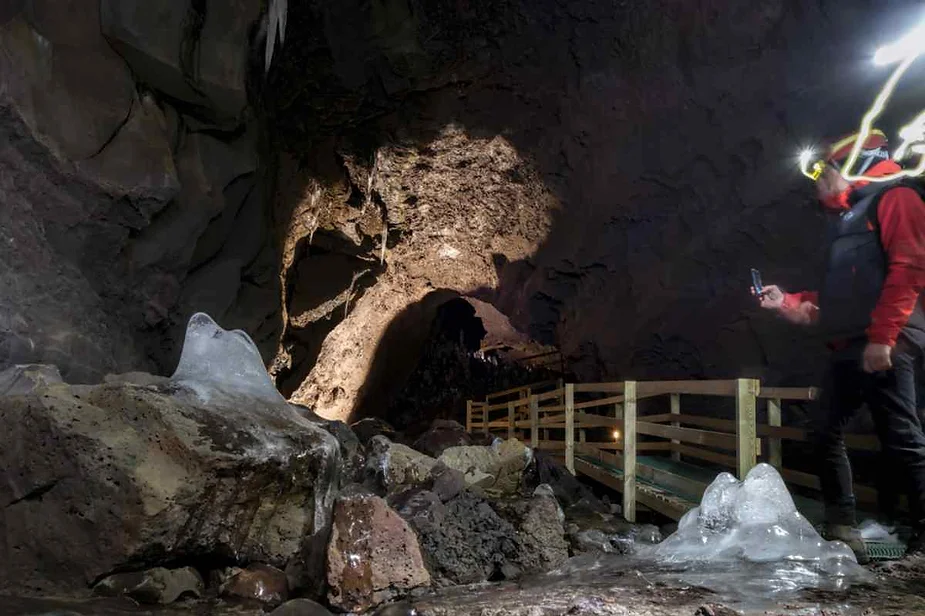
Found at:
<point>604,173</point>
<point>129,183</point>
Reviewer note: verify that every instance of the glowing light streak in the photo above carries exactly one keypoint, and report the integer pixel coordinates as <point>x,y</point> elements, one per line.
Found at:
<point>905,51</point>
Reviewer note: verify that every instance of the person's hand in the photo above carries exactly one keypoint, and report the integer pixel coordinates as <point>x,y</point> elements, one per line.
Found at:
<point>770,298</point>
<point>877,357</point>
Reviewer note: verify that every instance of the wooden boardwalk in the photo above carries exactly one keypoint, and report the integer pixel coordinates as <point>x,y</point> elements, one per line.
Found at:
<point>635,438</point>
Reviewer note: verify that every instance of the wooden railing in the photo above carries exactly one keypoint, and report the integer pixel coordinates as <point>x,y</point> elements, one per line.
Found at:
<point>559,417</point>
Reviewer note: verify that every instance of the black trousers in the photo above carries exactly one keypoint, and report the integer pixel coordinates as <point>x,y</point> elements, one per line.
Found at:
<point>891,397</point>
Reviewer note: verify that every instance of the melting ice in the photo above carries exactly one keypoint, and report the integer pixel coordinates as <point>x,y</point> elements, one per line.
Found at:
<point>748,537</point>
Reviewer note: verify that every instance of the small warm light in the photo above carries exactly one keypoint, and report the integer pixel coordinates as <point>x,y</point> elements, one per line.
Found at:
<point>912,44</point>
<point>616,435</point>
<point>807,158</point>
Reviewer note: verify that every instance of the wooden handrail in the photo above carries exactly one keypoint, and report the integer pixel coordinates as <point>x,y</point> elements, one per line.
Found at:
<point>676,433</point>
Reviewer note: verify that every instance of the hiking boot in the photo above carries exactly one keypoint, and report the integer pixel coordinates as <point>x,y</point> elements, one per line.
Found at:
<point>852,537</point>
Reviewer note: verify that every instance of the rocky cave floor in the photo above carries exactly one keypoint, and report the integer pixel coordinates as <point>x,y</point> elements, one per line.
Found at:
<point>897,591</point>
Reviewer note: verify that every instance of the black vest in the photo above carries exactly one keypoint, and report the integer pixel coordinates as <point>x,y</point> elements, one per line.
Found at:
<point>857,268</point>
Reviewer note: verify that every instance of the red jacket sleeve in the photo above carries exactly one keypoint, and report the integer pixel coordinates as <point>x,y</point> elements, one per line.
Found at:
<point>901,214</point>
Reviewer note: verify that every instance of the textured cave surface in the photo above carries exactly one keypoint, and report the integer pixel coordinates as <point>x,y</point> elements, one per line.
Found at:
<point>603,174</point>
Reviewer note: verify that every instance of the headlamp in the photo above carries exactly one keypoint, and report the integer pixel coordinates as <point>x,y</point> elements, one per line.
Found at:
<point>810,166</point>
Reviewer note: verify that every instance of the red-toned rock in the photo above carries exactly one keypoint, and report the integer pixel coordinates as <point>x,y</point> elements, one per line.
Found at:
<point>373,555</point>
<point>261,582</point>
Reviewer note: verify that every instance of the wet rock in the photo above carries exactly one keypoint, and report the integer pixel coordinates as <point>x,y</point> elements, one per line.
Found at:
<point>259,582</point>
<point>394,464</point>
<point>351,451</point>
<point>442,434</point>
<point>301,607</point>
<point>402,608</point>
<point>157,586</point>
<point>373,555</point>
<point>367,428</point>
<point>591,540</point>
<point>167,476</point>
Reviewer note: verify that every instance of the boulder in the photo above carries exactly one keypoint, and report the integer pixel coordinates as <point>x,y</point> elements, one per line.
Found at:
<point>373,555</point>
<point>394,465</point>
<point>166,475</point>
<point>538,522</point>
<point>258,582</point>
<point>498,469</point>
<point>156,586</point>
<point>442,434</point>
<point>470,539</point>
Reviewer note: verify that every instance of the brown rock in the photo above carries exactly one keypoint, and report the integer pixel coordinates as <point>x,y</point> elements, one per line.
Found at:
<point>164,474</point>
<point>373,555</point>
<point>156,586</point>
<point>261,582</point>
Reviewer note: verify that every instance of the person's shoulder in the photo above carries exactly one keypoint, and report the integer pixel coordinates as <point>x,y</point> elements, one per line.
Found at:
<point>904,193</point>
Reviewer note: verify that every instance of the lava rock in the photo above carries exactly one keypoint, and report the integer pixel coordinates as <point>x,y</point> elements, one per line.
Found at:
<point>301,607</point>
<point>368,427</point>
<point>446,482</point>
<point>351,450</point>
<point>167,476</point>
<point>442,434</point>
<point>422,508</point>
<point>394,465</point>
<point>156,586</point>
<point>373,555</point>
<point>497,469</point>
<point>540,535</point>
<point>259,582</point>
<point>568,490</point>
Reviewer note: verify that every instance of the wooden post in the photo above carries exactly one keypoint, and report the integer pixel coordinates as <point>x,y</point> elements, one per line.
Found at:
<point>746,437</point>
<point>468,415</point>
<point>675,410</point>
<point>510,420</point>
<point>570,427</point>
<point>534,422</point>
<point>629,451</point>
<point>775,454</point>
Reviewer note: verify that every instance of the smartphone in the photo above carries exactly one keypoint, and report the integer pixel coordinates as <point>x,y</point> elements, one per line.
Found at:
<point>756,281</point>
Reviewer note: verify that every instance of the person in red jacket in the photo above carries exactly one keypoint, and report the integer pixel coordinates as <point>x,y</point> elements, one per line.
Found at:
<point>869,313</point>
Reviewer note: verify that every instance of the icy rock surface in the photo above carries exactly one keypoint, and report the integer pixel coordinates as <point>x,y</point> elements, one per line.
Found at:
<point>219,365</point>
<point>749,534</point>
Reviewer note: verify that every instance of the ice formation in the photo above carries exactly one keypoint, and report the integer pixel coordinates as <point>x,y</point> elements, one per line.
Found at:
<point>224,370</point>
<point>872,530</point>
<point>219,363</point>
<point>749,536</point>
